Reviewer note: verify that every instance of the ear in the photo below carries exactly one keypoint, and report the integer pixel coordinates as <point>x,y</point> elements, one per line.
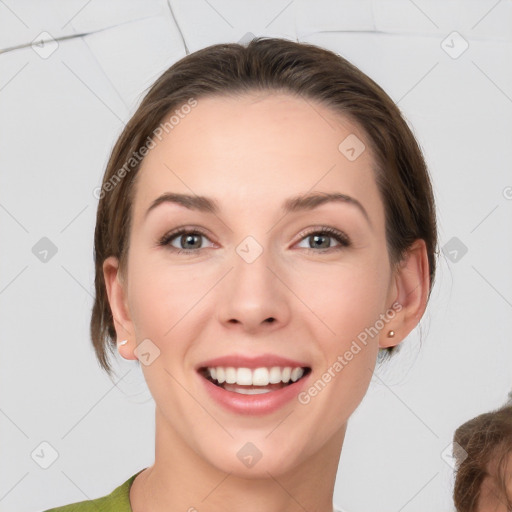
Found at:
<point>410,292</point>
<point>117,298</point>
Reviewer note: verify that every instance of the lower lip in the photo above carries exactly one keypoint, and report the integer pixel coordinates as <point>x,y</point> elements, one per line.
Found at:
<point>264,403</point>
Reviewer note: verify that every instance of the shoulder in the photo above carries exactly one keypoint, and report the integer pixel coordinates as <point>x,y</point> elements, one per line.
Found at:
<point>118,500</point>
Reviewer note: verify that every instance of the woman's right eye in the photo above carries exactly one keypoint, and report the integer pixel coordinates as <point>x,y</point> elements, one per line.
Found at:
<point>183,237</point>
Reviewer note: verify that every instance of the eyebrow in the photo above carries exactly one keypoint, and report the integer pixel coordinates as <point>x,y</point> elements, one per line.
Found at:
<point>303,202</point>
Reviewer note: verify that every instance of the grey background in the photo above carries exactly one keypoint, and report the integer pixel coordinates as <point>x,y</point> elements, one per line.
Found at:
<point>60,113</point>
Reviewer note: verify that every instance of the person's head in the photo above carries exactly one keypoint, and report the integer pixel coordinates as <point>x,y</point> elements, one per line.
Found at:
<point>265,131</point>
<point>483,477</point>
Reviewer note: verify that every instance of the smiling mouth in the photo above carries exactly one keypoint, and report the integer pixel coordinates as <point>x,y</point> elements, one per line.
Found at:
<point>247,381</point>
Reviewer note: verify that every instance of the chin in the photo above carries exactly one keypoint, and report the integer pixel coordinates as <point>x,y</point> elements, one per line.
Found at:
<point>257,458</point>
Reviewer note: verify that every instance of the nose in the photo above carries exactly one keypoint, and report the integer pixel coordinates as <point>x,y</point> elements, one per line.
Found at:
<point>253,296</point>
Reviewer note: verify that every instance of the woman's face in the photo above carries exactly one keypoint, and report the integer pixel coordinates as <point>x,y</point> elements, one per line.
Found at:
<point>260,280</point>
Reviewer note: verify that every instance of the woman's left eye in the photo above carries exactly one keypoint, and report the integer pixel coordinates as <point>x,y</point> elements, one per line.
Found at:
<point>193,238</point>
<point>318,236</point>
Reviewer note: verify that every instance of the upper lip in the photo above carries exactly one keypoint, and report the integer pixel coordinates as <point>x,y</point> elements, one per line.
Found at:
<point>241,361</point>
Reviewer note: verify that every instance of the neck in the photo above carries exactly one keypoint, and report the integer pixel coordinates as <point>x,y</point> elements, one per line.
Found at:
<point>180,479</point>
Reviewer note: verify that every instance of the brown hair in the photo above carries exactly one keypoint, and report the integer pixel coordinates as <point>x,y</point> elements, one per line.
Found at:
<point>267,64</point>
<point>484,439</point>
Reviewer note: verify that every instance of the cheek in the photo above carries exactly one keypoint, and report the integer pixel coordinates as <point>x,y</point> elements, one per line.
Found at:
<point>162,295</point>
<point>347,297</point>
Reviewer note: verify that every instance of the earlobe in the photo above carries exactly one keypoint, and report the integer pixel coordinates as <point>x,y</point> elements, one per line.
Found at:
<point>412,282</point>
<point>125,350</point>
<point>117,300</point>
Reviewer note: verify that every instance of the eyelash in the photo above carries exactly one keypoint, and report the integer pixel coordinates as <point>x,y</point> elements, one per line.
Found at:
<point>339,236</point>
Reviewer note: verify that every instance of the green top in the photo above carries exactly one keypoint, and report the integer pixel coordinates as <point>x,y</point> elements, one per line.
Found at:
<point>118,500</point>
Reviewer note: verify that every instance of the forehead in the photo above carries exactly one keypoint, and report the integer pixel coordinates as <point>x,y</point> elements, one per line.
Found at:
<point>258,149</point>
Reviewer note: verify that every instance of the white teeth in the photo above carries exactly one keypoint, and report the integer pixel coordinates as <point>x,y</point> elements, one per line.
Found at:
<point>255,377</point>
<point>248,391</point>
<point>244,377</point>
<point>230,375</point>
<point>296,374</point>
<point>275,375</point>
<point>260,377</point>
<point>221,375</point>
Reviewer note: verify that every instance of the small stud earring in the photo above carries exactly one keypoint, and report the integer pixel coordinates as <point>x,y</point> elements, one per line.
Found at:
<point>120,343</point>
<point>391,334</point>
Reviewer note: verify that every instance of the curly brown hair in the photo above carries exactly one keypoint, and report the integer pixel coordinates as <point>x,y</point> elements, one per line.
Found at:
<point>278,65</point>
<point>484,439</point>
